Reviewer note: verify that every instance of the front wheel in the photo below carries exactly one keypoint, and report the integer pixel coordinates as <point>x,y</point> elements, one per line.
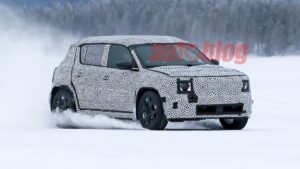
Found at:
<point>150,112</point>
<point>234,124</point>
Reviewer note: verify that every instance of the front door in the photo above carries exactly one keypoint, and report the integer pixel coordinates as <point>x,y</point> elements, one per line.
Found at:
<point>121,82</point>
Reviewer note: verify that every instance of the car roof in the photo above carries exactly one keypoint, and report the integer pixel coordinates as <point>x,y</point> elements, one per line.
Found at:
<point>129,40</point>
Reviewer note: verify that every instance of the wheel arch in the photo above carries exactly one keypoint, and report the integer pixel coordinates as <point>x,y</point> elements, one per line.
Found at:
<point>139,95</point>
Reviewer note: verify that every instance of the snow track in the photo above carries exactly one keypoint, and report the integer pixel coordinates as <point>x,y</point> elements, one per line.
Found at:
<point>70,119</point>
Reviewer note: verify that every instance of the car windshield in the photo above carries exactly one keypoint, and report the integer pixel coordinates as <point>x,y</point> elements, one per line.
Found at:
<point>179,54</point>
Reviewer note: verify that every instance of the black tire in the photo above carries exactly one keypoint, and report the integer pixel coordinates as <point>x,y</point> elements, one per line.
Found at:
<point>150,112</point>
<point>234,124</point>
<point>62,101</point>
<point>164,123</point>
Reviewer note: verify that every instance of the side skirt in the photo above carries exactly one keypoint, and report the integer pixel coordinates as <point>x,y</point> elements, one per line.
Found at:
<point>110,114</point>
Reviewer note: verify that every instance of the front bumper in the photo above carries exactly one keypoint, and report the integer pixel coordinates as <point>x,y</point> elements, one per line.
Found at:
<point>215,98</point>
<point>185,110</point>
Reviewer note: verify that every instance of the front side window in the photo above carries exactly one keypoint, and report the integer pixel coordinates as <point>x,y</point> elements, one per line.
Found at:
<point>119,54</point>
<point>91,54</point>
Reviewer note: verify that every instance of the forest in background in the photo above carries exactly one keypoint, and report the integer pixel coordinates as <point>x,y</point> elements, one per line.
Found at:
<point>269,27</point>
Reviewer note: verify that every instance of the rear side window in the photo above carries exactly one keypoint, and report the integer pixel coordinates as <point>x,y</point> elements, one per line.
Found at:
<point>118,54</point>
<point>91,54</point>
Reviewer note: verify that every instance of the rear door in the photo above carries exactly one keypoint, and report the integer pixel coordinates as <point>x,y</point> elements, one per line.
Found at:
<point>87,77</point>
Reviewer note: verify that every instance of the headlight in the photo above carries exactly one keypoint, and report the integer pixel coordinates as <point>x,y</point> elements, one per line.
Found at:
<point>187,87</point>
<point>246,86</point>
<point>184,86</point>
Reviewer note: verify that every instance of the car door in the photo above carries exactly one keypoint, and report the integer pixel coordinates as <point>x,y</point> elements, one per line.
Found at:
<point>87,77</point>
<point>121,82</point>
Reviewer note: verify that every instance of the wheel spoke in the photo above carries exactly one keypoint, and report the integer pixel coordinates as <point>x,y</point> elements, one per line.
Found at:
<point>147,119</point>
<point>62,103</point>
<point>144,108</point>
<point>154,115</point>
<point>149,111</point>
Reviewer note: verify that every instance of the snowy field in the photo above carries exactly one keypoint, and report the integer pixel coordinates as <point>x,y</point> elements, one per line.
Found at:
<point>29,138</point>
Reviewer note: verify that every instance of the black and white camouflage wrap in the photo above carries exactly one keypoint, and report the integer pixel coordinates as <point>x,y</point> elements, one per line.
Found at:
<point>116,97</point>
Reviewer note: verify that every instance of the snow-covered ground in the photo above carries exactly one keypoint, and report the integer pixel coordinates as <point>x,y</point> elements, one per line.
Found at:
<point>30,139</point>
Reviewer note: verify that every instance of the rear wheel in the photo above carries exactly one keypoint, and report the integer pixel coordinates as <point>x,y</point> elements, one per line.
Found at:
<point>150,112</point>
<point>234,123</point>
<point>62,101</point>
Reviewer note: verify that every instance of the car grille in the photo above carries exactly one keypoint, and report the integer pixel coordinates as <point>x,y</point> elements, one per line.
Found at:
<point>218,86</point>
<point>220,109</point>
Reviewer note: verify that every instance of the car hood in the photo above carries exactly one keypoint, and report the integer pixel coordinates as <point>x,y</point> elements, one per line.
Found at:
<point>198,71</point>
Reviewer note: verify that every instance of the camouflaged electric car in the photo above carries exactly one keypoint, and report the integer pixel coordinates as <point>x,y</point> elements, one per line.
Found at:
<point>153,79</point>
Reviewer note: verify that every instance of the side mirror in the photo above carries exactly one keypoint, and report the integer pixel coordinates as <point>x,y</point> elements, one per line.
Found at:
<point>215,62</point>
<point>124,65</point>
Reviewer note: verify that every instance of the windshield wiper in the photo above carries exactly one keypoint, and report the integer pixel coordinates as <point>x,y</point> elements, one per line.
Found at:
<point>163,66</point>
<point>190,65</point>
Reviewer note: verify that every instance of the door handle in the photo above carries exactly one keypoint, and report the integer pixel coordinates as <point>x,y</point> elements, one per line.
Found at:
<point>106,77</point>
<point>79,74</point>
